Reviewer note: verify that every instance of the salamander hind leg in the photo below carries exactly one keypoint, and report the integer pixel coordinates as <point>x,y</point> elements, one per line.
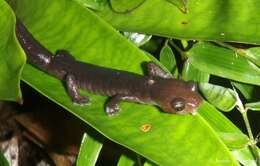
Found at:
<point>156,71</point>
<point>73,90</point>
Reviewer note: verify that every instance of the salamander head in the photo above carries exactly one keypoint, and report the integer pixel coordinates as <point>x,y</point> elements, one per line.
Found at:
<point>176,96</point>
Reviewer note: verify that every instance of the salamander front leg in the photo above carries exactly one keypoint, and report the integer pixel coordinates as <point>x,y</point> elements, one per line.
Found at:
<point>73,90</point>
<point>156,71</point>
<point>112,106</point>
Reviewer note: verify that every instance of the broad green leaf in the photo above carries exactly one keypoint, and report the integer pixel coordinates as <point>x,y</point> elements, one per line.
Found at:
<point>171,135</point>
<point>11,57</point>
<point>221,97</point>
<point>246,89</point>
<point>234,140</point>
<point>253,106</point>
<point>216,119</point>
<point>190,72</point>
<point>3,161</point>
<point>223,63</point>
<point>185,44</point>
<point>181,4</point>
<point>227,131</point>
<point>148,163</point>
<point>168,60</point>
<point>151,46</point>
<point>245,157</point>
<point>137,38</point>
<point>253,54</point>
<point>125,6</point>
<point>93,4</point>
<point>222,20</point>
<point>125,160</point>
<point>89,151</point>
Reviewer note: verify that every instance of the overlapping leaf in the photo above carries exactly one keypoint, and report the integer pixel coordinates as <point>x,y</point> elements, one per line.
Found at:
<point>167,58</point>
<point>125,161</point>
<point>137,38</point>
<point>223,62</point>
<point>223,98</point>
<point>11,57</point>
<point>222,20</point>
<point>93,4</point>
<point>190,72</point>
<point>3,161</point>
<point>89,151</point>
<point>253,106</point>
<point>125,6</point>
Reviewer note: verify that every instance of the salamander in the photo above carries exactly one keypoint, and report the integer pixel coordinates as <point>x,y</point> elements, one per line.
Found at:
<point>156,88</point>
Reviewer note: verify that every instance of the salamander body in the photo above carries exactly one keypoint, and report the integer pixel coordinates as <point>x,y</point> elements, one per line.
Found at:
<point>157,88</point>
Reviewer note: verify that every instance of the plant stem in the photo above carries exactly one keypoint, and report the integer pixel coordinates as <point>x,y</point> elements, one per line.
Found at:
<point>225,45</point>
<point>248,127</point>
<point>139,163</point>
<point>252,141</point>
<point>183,54</point>
<point>166,42</point>
<point>251,137</point>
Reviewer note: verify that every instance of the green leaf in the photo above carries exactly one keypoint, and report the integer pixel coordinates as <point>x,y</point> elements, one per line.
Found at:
<point>167,58</point>
<point>168,134</point>
<point>151,46</point>
<point>148,163</point>
<point>221,20</point>
<point>253,106</point>
<point>253,54</point>
<point>190,72</point>
<point>246,89</point>
<point>181,4</point>
<point>3,161</point>
<point>11,57</point>
<point>217,120</point>
<point>125,6</point>
<point>224,63</point>
<point>93,4</point>
<point>185,44</point>
<point>137,38</point>
<point>245,157</point>
<point>221,97</point>
<point>125,161</point>
<point>89,151</point>
<point>226,130</point>
<point>234,140</point>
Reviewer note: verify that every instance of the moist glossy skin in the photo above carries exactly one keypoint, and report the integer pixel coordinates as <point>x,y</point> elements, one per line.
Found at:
<point>173,96</point>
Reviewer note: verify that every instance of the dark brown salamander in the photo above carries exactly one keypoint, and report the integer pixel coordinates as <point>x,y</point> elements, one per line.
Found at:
<point>173,96</point>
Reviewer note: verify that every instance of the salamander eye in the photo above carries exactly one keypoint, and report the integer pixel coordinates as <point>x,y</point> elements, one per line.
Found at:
<point>178,104</point>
